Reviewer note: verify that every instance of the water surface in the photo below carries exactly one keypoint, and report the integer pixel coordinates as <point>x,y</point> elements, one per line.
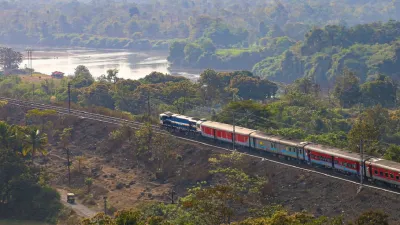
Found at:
<point>132,65</point>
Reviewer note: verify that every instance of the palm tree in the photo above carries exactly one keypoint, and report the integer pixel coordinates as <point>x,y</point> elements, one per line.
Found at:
<point>17,138</point>
<point>89,183</point>
<point>34,142</point>
<point>80,160</point>
<point>5,135</point>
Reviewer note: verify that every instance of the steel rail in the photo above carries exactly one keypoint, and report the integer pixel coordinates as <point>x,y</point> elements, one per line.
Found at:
<point>134,125</point>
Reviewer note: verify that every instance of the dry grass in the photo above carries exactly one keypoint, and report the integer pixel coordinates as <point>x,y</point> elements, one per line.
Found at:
<point>38,78</point>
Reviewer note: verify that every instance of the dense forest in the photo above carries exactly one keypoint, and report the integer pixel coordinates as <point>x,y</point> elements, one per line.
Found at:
<point>282,40</point>
<point>143,24</point>
<point>369,50</point>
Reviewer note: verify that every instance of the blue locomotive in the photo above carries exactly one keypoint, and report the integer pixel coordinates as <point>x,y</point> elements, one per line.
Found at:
<point>177,121</point>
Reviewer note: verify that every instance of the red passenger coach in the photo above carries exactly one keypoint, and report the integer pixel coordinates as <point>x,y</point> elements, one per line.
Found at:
<point>383,170</point>
<point>348,162</point>
<point>207,131</point>
<point>224,132</point>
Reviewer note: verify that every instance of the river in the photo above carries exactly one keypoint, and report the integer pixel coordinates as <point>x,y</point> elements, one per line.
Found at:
<point>131,64</point>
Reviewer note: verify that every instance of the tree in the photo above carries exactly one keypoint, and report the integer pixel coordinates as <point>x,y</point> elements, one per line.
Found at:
<point>88,183</point>
<point>6,135</point>
<point>80,160</point>
<point>9,59</point>
<point>112,75</point>
<point>181,94</point>
<point>65,141</point>
<point>393,153</point>
<point>42,115</point>
<point>211,83</point>
<point>157,78</point>
<point>211,205</point>
<point>382,91</point>
<point>176,52</point>
<point>132,27</point>
<point>82,77</point>
<point>21,194</point>
<point>305,85</point>
<point>253,87</point>
<point>372,218</point>
<point>100,218</point>
<point>347,89</point>
<point>133,11</point>
<point>35,141</point>
<point>248,113</point>
<point>371,126</point>
<point>192,53</point>
<point>98,94</point>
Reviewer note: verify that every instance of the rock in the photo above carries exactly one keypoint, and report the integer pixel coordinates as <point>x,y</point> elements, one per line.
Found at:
<point>132,183</point>
<point>105,176</point>
<point>119,186</point>
<point>113,175</point>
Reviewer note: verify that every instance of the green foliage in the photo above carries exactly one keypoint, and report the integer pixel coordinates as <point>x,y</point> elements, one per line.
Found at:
<point>88,183</point>
<point>9,59</point>
<point>248,114</point>
<point>157,78</point>
<point>347,89</point>
<point>98,94</point>
<point>217,86</point>
<point>382,91</point>
<point>294,133</point>
<point>335,139</point>
<point>393,153</point>
<point>82,77</point>
<point>34,141</point>
<point>371,127</point>
<point>23,189</point>
<point>65,137</point>
<point>372,218</point>
<point>253,87</point>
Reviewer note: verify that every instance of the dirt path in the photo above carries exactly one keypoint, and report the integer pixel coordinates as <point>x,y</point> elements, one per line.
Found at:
<point>80,209</point>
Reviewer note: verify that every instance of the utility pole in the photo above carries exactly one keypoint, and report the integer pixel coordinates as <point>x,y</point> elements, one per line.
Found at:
<point>172,196</point>
<point>361,155</point>
<point>233,134</point>
<point>69,167</point>
<point>69,97</point>
<point>33,91</point>
<point>148,106</point>
<point>233,123</point>
<point>29,52</point>
<point>105,205</point>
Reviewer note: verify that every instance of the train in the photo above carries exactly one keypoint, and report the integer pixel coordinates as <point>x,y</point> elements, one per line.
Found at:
<point>374,169</point>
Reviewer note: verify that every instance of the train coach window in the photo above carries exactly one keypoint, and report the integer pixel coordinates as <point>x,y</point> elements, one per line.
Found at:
<point>397,178</point>
<point>391,176</point>
<point>381,174</point>
<point>386,175</point>
<point>376,172</point>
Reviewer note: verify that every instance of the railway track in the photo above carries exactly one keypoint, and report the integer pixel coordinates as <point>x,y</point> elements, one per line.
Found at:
<point>137,125</point>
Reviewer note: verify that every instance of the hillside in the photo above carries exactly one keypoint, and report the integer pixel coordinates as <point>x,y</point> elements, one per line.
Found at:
<point>367,50</point>
<point>115,173</point>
